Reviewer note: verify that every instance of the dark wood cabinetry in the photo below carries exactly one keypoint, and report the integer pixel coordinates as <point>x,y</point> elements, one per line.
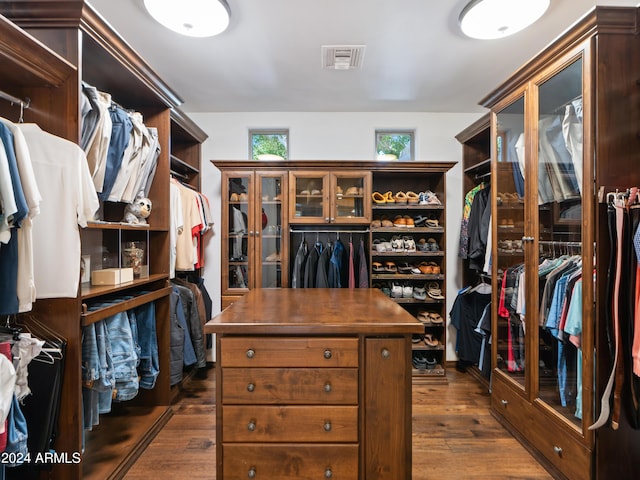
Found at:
<point>88,50</point>
<point>544,209</point>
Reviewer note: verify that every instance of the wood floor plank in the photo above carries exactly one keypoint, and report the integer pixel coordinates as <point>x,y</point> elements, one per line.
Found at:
<point>454,437</point>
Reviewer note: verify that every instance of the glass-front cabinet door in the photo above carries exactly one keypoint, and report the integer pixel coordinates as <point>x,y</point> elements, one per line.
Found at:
<point>560,268</point>
<point>308,197</point>
<point>351,197</point>
<point>237,222</point>
<point>509,223</point>
<point>270,232</point>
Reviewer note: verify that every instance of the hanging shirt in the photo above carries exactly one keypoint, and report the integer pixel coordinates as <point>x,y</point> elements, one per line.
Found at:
<point>69,200</point>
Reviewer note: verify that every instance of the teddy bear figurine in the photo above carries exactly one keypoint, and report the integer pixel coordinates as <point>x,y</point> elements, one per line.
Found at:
<point>138,211</point>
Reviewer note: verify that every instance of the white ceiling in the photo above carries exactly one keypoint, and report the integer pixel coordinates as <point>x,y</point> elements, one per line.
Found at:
<point>416,58</point>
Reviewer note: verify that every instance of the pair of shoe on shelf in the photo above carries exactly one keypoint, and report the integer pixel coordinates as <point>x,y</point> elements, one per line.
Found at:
<point>428,198</point>
<point>428,340</point>
<point>403,244</point>
<point>274,257</point>
<point>430,317</point>
<point>506,198</point>
<point>428,245</point>
<point>423,361</point>
<point>238,197</point>
<point>429,268</point>
<point>351,192</point>
<point>401,198</point>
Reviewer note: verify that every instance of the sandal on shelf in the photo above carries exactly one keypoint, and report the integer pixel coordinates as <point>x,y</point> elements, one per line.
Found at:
<point>433,290</point>
<point>377,267</point>
<point>401,197</point>
<point>412,197</point>
<point>432,199</point>
<point>419,220</point>
<point>391,267</point>
<point>423,316</point>
<point>436,318</point>
<point>415,338</point>
<point>378,198</point>
<point>388,197</point>
<point>430,340</point>
<point>376,223</point>
<point>386,223</point>
<point>432,222</point>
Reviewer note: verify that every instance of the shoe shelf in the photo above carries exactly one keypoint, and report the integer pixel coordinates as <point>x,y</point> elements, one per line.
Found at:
<point>439,253</point>
<point>407,276</point>
<point>407,230</point>
<point>404,206</point>
<point>405,300</point>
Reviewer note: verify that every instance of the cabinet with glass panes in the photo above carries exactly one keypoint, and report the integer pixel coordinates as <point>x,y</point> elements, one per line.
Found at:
<point>554,154</point>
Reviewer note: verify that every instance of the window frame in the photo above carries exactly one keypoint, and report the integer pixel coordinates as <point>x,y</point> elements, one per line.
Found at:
<point>268,131</point>
<point>396,131</point>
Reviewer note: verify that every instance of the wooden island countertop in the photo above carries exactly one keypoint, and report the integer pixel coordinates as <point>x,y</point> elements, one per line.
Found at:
<point>327,311</point>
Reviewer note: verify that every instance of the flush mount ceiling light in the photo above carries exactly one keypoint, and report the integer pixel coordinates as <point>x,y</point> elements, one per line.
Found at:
<point>194,18</point>
<point>487,19</point>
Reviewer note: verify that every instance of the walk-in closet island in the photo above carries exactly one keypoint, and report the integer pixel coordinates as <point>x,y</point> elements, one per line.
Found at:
<point>313,381</point>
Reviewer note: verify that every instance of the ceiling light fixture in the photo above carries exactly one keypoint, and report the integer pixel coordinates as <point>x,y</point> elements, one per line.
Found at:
<point>194,18</point>
<point>488,19</point>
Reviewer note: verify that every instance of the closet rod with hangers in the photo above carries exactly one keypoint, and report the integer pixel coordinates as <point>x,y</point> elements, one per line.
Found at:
<point>337,230</point>
<point>560,243</point>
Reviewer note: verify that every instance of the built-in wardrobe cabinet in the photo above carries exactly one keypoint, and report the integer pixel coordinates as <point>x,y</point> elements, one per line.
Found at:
<point>271,208</point>
<point>476,167</point>
<point>564,132</point>
<point>94,53</point>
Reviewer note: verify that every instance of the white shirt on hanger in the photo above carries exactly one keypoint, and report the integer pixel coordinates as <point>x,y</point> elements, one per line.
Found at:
<point>69,199</point>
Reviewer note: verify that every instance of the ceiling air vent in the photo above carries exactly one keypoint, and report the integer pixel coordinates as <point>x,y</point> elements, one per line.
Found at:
<point>342,57</point>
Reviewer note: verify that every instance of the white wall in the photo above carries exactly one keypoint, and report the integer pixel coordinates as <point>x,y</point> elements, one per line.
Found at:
<point>334,136</point>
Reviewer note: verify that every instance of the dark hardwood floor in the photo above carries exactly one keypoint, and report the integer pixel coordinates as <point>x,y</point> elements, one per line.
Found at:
<point>454,437</point>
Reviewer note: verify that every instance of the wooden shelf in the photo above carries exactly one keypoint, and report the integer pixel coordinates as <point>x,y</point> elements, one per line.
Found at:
<point>117,226</point>
<point>120,438</point>
<point>90,317</point>
<point>92,291</point>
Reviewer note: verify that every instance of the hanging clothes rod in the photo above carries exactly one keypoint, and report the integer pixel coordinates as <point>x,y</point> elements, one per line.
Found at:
<point>10,98</point>
<point>478,176</point>
<point>337,230</point>
<point>560,243</point>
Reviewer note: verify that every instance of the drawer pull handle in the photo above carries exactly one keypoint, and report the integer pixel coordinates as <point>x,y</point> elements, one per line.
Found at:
<point>327,387</point>
<point>251,387</point>
<point>385,353</point>
<point>328,473</point>
<point>557,450</point>
<point>252,472</point>
<point>327,354</point>
<point>327,426</point>
<point>251,353</point>
<point>504,403</point>
<point>252,425</point>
